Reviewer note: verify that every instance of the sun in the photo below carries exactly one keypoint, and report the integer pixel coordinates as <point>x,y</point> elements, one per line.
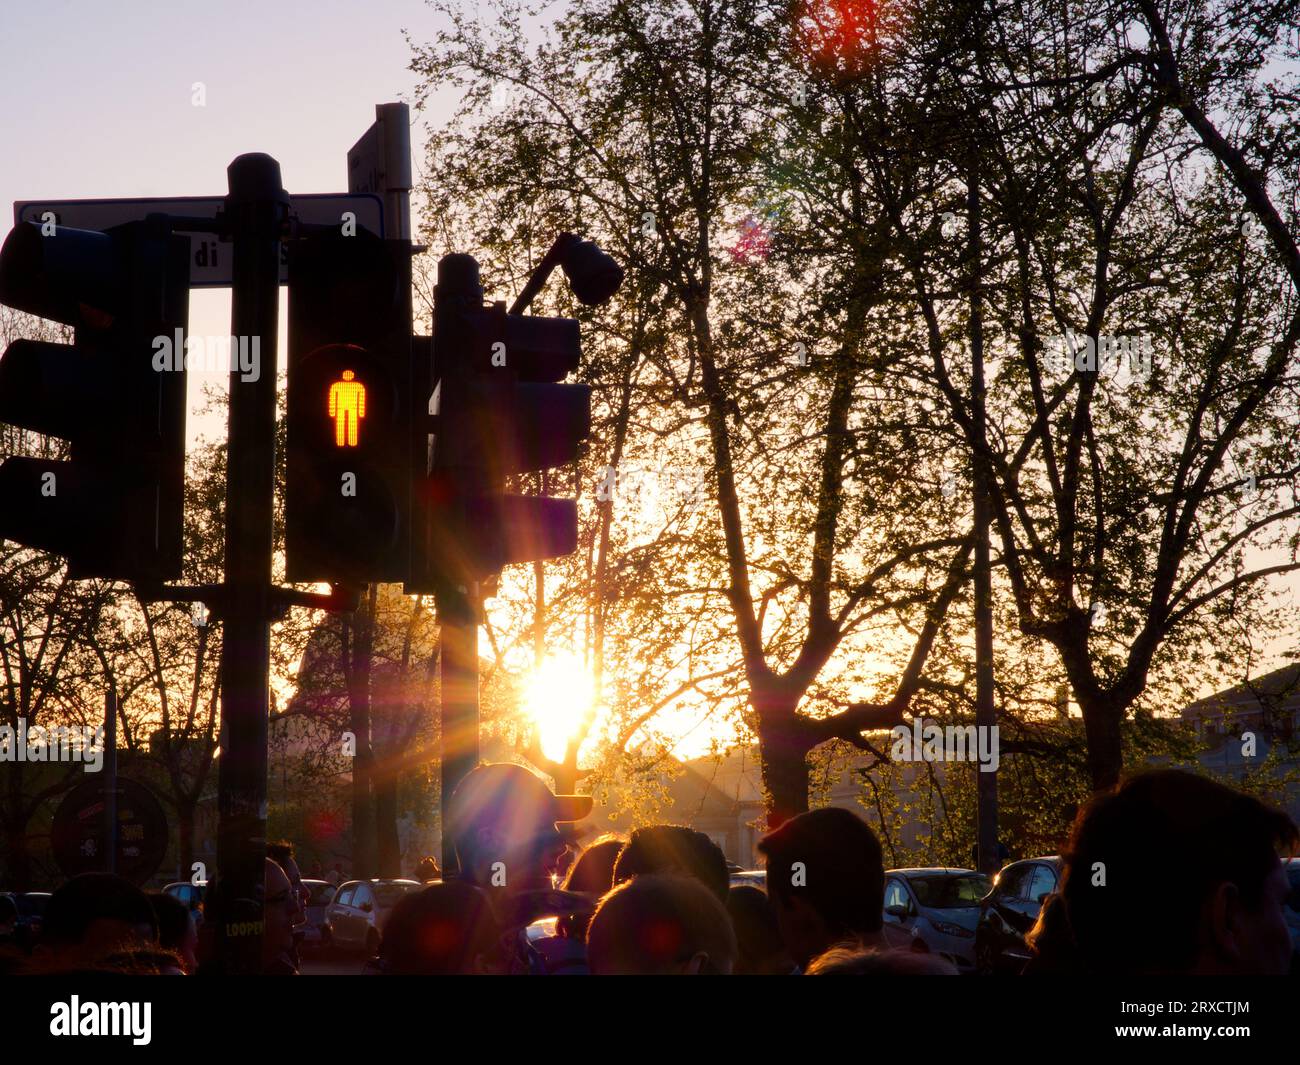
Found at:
<point>558,697</point>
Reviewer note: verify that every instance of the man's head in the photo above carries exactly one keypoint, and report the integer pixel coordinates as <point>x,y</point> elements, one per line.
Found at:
<point>445,930</point>
<point>176,929</point>
<point>503,820</point>
<point>1174,872</point>
<point>855,961</point>
<point>826,878</point>
<point>281,852</point>
<point>282,910</point>
<point>97,914</point>
<point>661,926</point>
<point>758,934</point>
<point>674,849</point>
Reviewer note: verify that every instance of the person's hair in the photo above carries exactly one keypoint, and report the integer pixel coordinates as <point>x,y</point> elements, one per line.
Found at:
<point>280,851</point>
<point>91,897</point>
<point>852,960</point>
<point>592,873</point>
<point>144,962</point>
<point>674,849</point>
<point>439,931</point>
<point>173,918</point>
<point>1165,838</point>
<point>842,874</point>
<point>8,910</point>
<point>758,936</point>
<point>427,869</point>
<point>653,923</point>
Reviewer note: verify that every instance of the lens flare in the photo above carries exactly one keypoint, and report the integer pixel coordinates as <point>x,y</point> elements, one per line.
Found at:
<point>558,698</point>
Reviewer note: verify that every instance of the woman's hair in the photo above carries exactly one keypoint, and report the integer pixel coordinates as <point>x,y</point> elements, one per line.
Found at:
<point>592,874</point>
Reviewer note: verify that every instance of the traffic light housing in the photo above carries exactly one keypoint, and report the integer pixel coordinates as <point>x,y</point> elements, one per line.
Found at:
<point>348,435</point>
<point>114,507</point>
<point>498,410</point>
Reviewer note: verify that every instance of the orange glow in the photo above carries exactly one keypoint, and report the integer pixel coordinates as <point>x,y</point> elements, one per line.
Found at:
<point>347,407</point>
<point>837,37</point>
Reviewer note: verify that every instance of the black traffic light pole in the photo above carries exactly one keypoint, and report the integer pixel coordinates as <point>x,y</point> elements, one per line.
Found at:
<point>256,213</point>
<point>456,597</point>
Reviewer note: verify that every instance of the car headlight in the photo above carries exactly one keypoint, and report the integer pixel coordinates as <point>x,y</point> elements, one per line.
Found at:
<point>953,929</point>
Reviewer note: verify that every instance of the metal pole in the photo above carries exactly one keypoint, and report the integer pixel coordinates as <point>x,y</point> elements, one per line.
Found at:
<point>986,791</point>
<point>458,289</point>
<point>458,675</point>
<point>256,210</point>
<point>110,778</point>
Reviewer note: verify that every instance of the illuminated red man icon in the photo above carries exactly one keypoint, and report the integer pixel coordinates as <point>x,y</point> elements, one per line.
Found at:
<point>347,408</point>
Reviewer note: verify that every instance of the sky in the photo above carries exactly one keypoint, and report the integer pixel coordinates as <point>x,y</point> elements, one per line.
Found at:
<point>97,100</point>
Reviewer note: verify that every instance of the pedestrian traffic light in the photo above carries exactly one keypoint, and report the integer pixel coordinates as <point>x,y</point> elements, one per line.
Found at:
<point>348,435</point>
<point>113,508</point>
<point>499,410</point>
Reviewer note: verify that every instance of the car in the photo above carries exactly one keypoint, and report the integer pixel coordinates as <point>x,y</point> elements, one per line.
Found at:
<point>320,893</point>
<point>31,916</point>
<point>749,878</point>
<point>1009,911</point>
<point>934,910</point>
<point>1292,909</point>
<point>356,915</point>
<point>191,894</point>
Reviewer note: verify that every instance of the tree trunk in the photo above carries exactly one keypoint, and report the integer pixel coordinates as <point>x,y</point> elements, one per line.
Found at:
<point>17,858</point>
<point>1101,725</point>
<point>783,746</point>
<point>185,832</point>
<point>387,843</point>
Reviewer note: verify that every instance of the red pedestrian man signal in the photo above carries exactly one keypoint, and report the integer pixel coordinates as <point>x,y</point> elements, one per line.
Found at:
<point>347,406</point>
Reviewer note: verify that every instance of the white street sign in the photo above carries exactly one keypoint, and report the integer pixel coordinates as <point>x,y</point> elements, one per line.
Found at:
<point>210,263</point>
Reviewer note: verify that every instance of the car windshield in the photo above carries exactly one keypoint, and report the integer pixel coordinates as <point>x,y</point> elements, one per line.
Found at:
<point>950,892</point>
<point>31,905</point>
<point>321,894</point>
<point>387,894</point>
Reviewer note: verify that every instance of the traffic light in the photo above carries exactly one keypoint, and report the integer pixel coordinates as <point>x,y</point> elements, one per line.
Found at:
<point>348,437</point>
<point>499,410</point>
<point>114,507</point>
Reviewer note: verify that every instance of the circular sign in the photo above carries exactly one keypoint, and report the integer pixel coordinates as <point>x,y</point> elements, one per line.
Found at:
<point>77,834</point>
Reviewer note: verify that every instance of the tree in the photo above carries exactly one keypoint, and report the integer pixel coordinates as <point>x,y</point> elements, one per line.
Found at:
<point>636,124</point>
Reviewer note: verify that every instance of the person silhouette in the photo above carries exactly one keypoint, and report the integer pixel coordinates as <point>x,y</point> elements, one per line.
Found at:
<point>347,406</point>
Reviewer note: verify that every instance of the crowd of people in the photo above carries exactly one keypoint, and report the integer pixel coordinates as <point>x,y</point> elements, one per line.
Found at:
<point>660,902</point>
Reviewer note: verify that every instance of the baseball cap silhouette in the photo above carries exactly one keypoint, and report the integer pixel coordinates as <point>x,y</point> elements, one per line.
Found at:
<point>512,799</point>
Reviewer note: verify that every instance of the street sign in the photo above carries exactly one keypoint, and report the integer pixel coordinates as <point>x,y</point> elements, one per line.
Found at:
<point>380,163</point>
<point>77,834</point>
<point>210,261</point>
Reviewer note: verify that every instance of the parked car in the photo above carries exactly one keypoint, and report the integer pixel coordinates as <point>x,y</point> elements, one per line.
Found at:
<point>934,910</point>
<point>31,916</point>
<point>191,895</point>
<point>1009,911</point>
<point>356,916</point>
<point>1293,912</point>
<point>313,934</point>
<point>749,878</point>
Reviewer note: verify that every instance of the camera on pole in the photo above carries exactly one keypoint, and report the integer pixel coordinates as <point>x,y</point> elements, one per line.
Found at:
<point>499,408</point>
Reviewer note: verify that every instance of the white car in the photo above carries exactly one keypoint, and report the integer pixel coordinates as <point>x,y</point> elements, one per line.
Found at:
<point>356,916</point>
